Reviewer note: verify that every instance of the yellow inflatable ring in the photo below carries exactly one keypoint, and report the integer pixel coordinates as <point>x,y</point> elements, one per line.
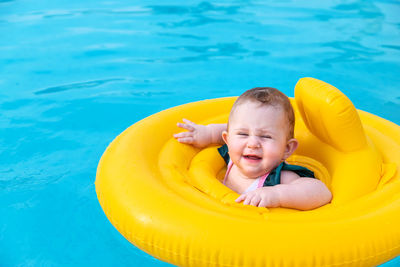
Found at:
<point>166,199</point>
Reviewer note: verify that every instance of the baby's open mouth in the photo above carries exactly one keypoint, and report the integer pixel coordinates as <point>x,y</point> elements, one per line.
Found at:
<point>252,157</point>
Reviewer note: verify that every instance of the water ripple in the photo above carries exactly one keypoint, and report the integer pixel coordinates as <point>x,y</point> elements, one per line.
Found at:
<point>51,14</point>
<point>219,51</point>
<point>396,47</point>
<point>73,86</point>
<point>348,52</point>
<point>353,47</point>
<point>87,30</point>
<point>34,16</point>
<point>201,14</point>
<point>193,22</point>
<point>23,178</point>
<point>203,7</point>
<point>360,9</point>
<point>186,36</point>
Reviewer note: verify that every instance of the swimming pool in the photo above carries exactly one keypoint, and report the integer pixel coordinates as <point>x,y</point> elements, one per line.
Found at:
<point>75,75</point>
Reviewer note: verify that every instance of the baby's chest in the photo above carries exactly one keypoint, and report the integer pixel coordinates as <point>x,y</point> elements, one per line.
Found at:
<point>238,184</point>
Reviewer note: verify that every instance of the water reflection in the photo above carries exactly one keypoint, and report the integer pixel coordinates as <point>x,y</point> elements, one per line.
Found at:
<point>216,52</point>
<point>185,36</point>
<point>347,51</point>
<point>201,14</point>
<point>203,7</point>
<point>73,86</point>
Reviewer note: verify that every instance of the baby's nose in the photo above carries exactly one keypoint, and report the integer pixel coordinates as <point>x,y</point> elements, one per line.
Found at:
<point>253,142</point>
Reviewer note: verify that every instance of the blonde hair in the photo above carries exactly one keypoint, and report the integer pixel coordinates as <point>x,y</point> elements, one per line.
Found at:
<point>268,96</point>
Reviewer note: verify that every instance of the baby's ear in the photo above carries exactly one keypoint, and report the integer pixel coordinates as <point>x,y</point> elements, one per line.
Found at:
<point>225,136</point>
<point>291,146</point>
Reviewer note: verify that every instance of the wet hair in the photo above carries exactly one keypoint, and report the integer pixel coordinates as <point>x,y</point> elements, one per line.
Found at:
<point>268,96</point>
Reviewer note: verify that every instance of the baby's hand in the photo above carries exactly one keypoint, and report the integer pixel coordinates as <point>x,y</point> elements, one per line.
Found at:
<point>197,135</point>
<point>261,197</point>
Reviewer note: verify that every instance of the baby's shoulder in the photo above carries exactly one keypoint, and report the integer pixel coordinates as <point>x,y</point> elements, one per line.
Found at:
<point>288,176</point>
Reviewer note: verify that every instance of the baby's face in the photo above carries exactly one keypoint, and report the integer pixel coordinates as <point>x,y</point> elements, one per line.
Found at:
<point>257,138</point>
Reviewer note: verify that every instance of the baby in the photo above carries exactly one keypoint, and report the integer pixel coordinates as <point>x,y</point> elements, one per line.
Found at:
<point>259,137</point>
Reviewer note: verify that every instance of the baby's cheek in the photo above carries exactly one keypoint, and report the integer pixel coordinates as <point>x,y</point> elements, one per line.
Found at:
<point>273,151</point>
<point>234,151</point>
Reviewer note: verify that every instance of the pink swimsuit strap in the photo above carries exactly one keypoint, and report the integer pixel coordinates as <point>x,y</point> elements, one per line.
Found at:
<point>228,170</point>
<point>262,180</point>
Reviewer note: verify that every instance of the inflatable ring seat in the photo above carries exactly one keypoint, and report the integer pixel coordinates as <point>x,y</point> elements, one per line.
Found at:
<point>166,197</point>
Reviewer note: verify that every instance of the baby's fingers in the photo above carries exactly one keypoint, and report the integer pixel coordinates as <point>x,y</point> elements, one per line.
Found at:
<point>255,200</point>
<point>185,126</point>
<point>240,198</point>
<point>189,122</point>
<point>248,199</point>
<point>264,203</point>
<point>183,134</point>
<point>184,137</point>
<point>185,140</point>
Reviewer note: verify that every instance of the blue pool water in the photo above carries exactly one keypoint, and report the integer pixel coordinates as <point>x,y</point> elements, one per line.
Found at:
<point>74,75</point>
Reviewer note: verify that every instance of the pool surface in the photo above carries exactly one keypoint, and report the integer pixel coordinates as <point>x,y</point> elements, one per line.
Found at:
<point>74,75</point>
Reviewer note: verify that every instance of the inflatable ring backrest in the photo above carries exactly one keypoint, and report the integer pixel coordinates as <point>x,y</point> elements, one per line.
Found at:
<point>343,147</point>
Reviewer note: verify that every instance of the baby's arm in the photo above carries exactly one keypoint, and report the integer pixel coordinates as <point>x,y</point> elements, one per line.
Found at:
<point>200,135</point>
<point>294,192</point>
